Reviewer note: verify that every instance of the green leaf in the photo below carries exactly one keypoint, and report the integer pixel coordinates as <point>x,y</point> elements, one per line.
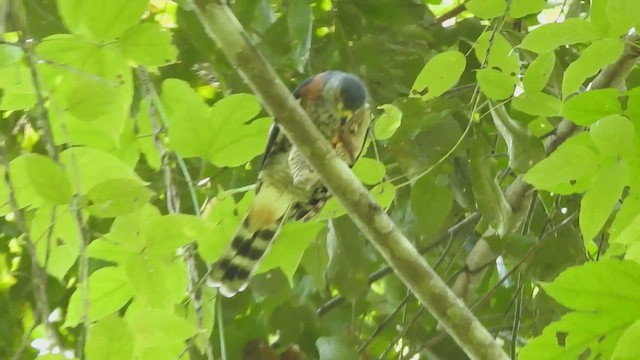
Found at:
<point>128,231</point>
<point>574,335</point>
<point>336,347</point>
<point>537,103</point>
<point>17,87</point>
<point>167,233</point>
<point>567,164</point>
<point>158,282</point>
<point>550,36</point>
<point>109,339</point>
<point>54,231</point>
<point>540,126</point>
<point>87,167</point>
<point>315,261</point>
<point>590,106</point>
<point>613,135</point>
<point>90,98</point>
<point>387,124</point>
<point>495,84</point>
<point>300,21</point>
<point>622,16</point>
<point>525,150</point>
<point>486,190</point>
<point>591,61</point>
<point>487,9</point>
<point>101,19</point>
<point>148,44</point>
<point>151,327</point>
<point>603,193</point>
<point>286,252</point>
<point>501,54</point>
<point>608,287</point>
<point>537,75</point>
<point>10,54</point>
<point>48,178</point>
<point>369,171</point>
<point>431,204</point>
<point>109,290</point>
<point>220,134</point>
<point>522,8</point>
<point>115,197</point>
<point>625,228</point>
<point>440,74</point>
<point>627,347</point>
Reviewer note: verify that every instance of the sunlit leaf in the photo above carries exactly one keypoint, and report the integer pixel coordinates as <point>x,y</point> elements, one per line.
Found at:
<point>591,61</point>
<point>537,103</point>
<point>110,339</point>
<point>522,8</point>
<point>621,15</point>
<point>440,74</point>
<point>613,134</point>
<point>148,44</point>
<point>487,9</point>
<point>387,124</point>
<point>549,36</point>
<point>369,171</point>
<point>101,19</point>
<point>590,106</point>
<point>538,72</point>
<point>495,84</point>
<point>115,197</point>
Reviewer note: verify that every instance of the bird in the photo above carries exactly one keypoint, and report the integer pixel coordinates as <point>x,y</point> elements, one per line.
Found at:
<point>287,188</point>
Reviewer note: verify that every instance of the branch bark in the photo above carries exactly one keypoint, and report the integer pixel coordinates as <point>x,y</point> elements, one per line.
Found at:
<point>221,25</point>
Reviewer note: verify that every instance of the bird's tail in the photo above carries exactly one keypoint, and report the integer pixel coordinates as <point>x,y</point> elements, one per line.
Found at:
<point>233,270</point>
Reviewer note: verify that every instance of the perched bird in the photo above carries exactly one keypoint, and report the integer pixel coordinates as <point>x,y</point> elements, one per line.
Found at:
<point>287,187</point>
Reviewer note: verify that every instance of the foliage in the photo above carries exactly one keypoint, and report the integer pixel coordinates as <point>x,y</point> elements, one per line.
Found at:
<point>128,168</point>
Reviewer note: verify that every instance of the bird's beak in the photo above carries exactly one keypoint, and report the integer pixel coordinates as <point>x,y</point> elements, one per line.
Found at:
<point>345,116</point>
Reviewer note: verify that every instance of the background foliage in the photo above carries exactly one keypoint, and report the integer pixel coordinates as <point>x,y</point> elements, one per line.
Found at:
<point>130,145</point>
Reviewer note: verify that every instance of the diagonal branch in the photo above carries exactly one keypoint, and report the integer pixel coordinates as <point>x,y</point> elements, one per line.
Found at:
<point>222,26</point>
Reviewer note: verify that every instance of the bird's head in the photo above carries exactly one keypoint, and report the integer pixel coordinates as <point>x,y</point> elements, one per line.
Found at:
<point>347,90</point>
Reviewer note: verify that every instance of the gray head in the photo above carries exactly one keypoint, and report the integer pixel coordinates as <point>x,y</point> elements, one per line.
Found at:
<point>348,89</point>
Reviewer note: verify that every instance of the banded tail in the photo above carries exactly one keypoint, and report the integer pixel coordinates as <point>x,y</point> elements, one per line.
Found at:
<point>233,271</point>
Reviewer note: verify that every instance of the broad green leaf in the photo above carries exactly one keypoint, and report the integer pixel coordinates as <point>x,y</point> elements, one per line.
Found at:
<point>369,171</point>
<point>286,252</point>
<point>522,8</point>
<point>576,334</point>
<point>537,103</point>
<point>158,282</point>
<point>106,249</point>
<point>315,260</point>
<point>627,347</point>
<point>537,75</point>
<point>549,36</point>
<point>603,193</point>
<point>115,197</point>
<point>220,134</point>
<point>167,233</point>
<point>599,16</point>
<point>591,61</point>
<point>487,9</point>
<point>156,326</point>
<point>633,105</point>
<point>440,74</point>
<point>17,87</point>
<point>525,150</point>
<point>87,167</point>
<point>567,164</point>
<point>387,124</point>
<point>336,347</point>
<point>495,84</point>
<point>486,190</point>
<point>383,193</point>
<point>109,290</point>
<point>56,238</point>
<point>300,21</point>
<point>609,287</point>
<point>48,178</point>
<point>540,126</point>
<point>590,106</point>
<point>10,54</point>
<point>128,231</point>
<point>148,44</point>
<point>109,339</point>
<point>145,141</point>
<point>613,135</point>
<point>430,204</point>
<point>501,55</point>
<point>626,226</point>
<point>88,99</point>
<point>622,15</point>
<point>101,20</point>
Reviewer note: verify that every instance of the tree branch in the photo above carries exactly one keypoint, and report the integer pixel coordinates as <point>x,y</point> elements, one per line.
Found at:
<point>222,26</point>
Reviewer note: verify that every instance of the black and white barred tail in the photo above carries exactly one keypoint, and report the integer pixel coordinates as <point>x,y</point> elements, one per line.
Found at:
<point>233,270</point>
